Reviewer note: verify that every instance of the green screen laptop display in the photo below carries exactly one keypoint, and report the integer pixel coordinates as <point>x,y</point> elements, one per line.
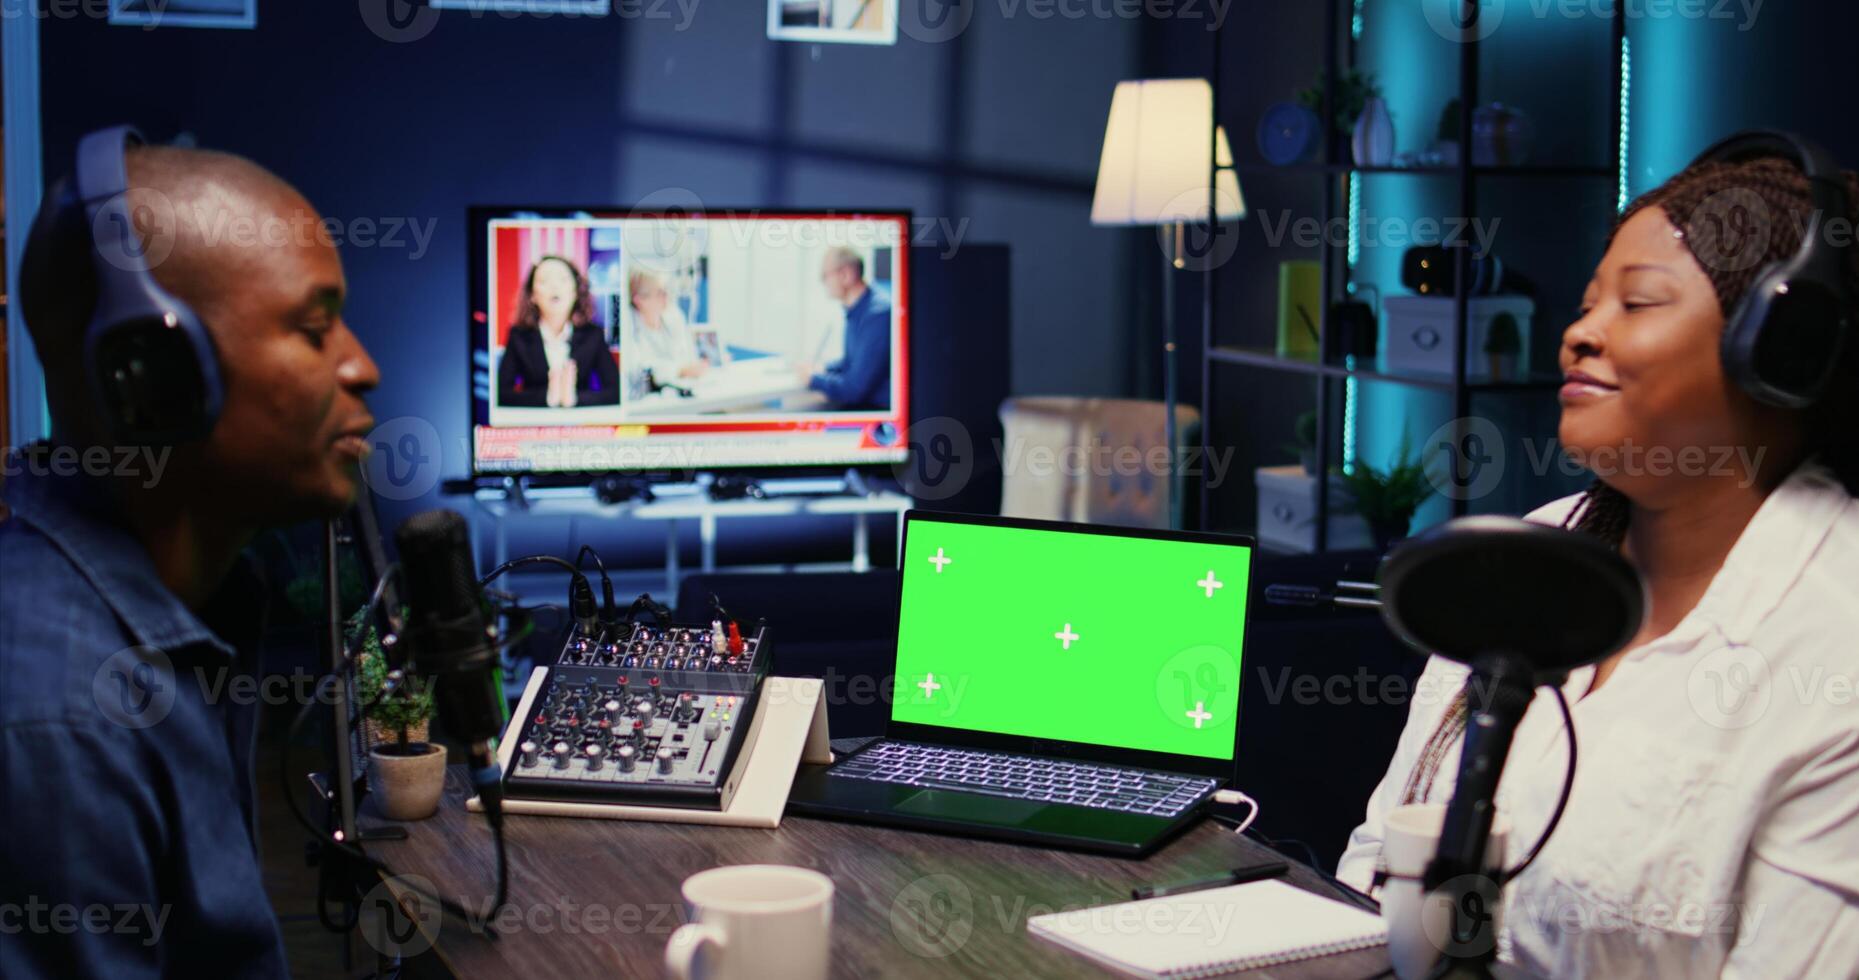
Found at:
<point>1084,637</point>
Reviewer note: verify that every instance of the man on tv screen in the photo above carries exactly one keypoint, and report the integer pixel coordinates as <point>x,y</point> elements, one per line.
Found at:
<point>861,379</point>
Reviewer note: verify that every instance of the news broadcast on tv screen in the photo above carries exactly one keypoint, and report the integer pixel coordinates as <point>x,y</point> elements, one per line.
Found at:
<point>625,341</point>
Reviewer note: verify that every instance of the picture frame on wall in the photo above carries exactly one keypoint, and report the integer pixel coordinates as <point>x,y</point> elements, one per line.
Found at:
<point>833,21</point>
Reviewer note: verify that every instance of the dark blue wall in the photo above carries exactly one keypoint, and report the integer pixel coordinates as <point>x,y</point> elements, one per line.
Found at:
<point>990,137</point>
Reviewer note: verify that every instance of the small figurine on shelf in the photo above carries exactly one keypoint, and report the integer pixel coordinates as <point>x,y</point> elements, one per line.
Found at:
<point>1502,347</point>
<point>1305,446</point>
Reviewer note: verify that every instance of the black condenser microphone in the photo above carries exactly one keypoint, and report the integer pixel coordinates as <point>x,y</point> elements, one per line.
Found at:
<point>449,639</point>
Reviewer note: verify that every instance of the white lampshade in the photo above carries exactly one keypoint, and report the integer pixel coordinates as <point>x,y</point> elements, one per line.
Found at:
<point>1153,169</point>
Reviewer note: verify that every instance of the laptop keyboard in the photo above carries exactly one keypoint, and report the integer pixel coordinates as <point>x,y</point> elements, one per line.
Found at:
<point>1027,778</point>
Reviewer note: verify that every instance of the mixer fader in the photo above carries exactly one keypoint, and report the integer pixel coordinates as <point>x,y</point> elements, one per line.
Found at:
<point>638,714</point>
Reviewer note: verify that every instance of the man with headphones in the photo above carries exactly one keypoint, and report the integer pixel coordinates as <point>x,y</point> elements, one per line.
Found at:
<point>129,620</point>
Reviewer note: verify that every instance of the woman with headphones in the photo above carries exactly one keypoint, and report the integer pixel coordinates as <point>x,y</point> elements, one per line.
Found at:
<point>1713,386</point>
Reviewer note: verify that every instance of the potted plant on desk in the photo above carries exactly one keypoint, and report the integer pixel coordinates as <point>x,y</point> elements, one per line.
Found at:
<point>407,773</point>
<point>1387,499</point>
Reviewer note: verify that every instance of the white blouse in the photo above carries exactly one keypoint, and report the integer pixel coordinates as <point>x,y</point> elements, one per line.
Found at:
<point>1713,828</point>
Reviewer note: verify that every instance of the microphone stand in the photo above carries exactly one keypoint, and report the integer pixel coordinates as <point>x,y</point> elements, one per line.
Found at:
<point>1498,693</point>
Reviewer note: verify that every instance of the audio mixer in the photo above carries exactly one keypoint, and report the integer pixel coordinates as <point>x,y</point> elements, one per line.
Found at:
<point>654,715</point>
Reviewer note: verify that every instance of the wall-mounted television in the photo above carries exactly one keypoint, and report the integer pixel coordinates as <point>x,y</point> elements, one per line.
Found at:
<point>611,340</point>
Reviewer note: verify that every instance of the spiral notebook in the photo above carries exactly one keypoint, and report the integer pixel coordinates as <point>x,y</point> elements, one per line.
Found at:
<point>1219,930</point>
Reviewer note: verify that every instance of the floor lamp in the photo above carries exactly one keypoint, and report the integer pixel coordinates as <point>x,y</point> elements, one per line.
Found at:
<point>1160,147</point>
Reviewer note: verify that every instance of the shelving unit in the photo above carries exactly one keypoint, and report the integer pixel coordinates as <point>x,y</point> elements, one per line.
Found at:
<point>1334,261</point>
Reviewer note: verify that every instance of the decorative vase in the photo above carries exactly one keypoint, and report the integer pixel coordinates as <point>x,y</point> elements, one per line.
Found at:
<point>1288,133</point>
<point>406,785</point>
<point>1373,143</point>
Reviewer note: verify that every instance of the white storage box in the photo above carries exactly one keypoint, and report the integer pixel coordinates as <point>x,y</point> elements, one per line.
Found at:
<point>1288,512</point>
<point>1419,336</point>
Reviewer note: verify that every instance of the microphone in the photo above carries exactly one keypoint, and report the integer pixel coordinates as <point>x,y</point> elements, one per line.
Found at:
<point>1522,604</point>
<point>449,639</point>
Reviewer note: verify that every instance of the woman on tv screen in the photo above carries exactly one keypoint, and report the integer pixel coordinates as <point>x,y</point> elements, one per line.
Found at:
<point>556,356</point>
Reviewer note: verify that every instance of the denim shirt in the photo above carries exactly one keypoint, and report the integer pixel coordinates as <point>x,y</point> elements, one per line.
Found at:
<point>126,785</point>
<point>862,378</point>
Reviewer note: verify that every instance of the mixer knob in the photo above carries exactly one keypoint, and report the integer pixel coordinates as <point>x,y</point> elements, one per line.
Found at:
<point>687,706</point>
<point>611,708</point>
<point>645,709</point>
<point>562,753</point>
<point>595,756</point>
<point>664,759</point>
<point>627,757</point>
<point>532,753</point>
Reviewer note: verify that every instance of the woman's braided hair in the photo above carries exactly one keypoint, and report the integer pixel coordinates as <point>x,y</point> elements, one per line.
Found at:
<point>1692,203</point>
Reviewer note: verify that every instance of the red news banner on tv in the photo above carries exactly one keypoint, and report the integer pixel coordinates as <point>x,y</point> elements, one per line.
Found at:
<point>636,341</point>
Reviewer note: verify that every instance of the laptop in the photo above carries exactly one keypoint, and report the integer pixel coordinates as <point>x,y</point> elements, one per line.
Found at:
<point>1067,685</point>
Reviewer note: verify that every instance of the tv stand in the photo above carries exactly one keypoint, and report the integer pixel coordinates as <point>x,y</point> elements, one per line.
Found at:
<point>676,504</point>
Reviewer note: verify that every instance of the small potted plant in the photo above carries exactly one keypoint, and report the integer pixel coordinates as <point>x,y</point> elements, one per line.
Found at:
<point>1305,447</point>
<point>406,773</point>
<point>1387,499</point>
<point>1502,346</point>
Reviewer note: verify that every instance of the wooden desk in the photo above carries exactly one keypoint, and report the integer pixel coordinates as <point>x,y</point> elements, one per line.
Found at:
<point>598,898</point>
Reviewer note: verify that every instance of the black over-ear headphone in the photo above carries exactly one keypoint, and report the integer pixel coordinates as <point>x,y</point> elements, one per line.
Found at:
<point>1784,340</point>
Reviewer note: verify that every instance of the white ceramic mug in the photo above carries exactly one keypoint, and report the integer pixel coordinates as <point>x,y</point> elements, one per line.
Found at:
<point>753,921</point>
<point>1419,928</point>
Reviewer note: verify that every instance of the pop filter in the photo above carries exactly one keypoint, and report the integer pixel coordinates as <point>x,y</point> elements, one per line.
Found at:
<point>1475,585</point>
<point>1522,604</point>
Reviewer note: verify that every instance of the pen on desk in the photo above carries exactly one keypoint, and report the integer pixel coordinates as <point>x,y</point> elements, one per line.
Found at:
<point>1237,876</point>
